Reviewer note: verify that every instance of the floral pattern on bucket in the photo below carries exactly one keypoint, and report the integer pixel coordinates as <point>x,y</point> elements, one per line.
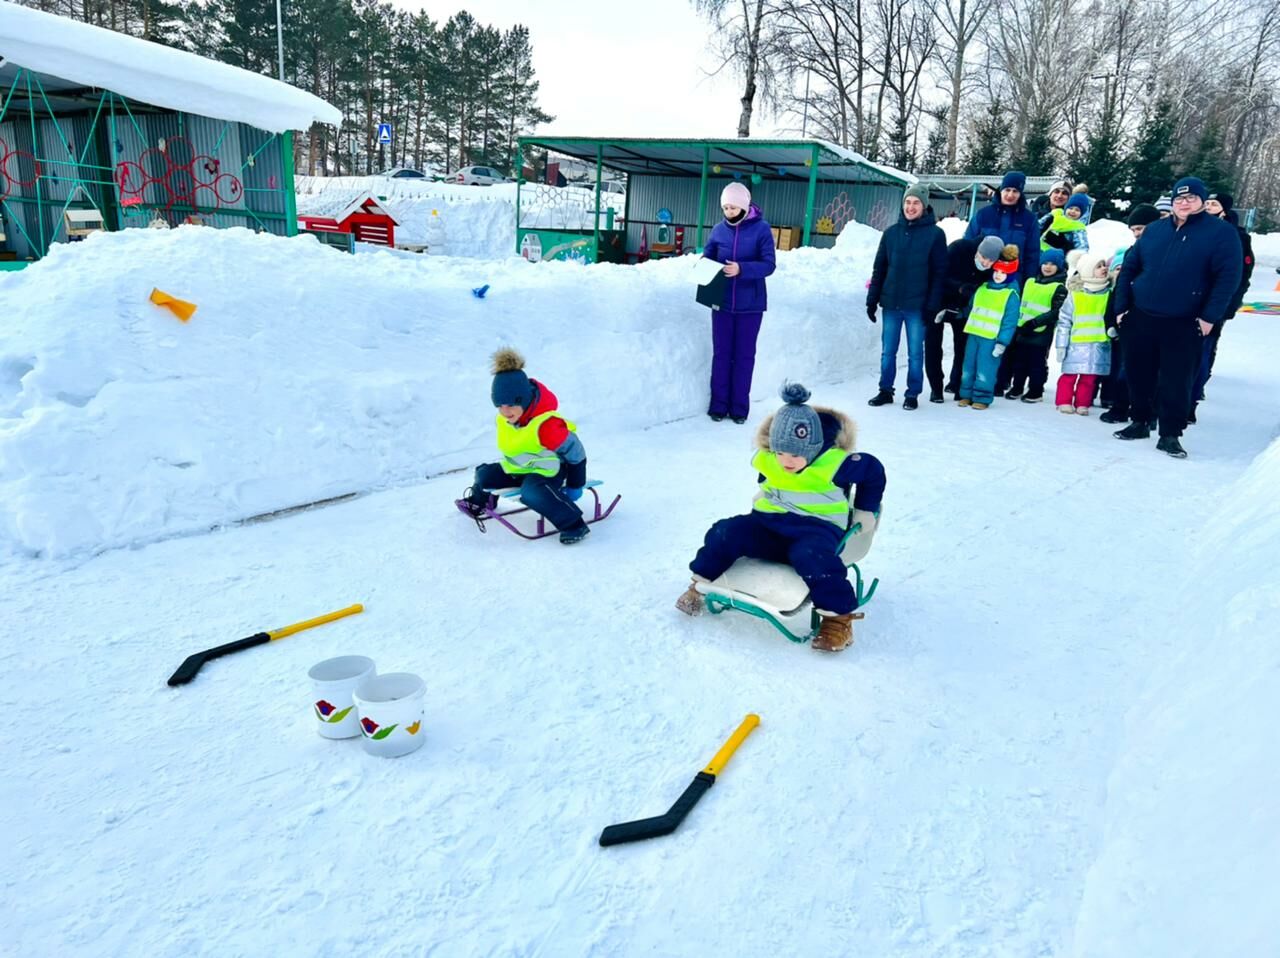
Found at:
<point>371,730</point>
<point>325,712</point>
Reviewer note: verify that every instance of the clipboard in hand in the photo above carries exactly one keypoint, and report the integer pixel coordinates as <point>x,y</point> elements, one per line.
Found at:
<point>712,293</point>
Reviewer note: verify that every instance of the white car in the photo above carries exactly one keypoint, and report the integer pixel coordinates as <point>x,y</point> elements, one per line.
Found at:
<point>477,176</point>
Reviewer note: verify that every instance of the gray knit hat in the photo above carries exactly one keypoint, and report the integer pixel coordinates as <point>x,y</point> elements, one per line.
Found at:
<point>919,191</point>
<point>796,429</point>
<point>990,247</point>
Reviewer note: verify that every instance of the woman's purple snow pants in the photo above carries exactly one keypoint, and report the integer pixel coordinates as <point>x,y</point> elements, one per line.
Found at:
<point>733,358</point>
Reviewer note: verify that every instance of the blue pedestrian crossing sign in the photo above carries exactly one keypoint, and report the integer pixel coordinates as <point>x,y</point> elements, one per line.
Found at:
<point>384,133</point>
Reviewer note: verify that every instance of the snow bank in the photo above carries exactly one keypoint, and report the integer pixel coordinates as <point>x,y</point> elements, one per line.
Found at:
<point>477,222</point>
<point>1191,857</point>
<point>1266,247</point>
<point>308,373</point>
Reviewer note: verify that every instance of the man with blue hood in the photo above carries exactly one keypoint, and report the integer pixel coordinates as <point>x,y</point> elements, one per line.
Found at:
<point>1009,219</point>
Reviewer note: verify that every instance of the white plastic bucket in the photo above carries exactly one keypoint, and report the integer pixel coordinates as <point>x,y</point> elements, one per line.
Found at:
<point>391,708</point>
<point>332,683</point>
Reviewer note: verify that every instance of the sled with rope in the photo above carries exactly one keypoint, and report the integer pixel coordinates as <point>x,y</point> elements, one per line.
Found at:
<point>505,507</point>
<point>774,591</point>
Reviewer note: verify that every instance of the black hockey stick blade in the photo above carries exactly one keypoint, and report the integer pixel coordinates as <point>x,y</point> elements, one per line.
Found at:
<point>192,663</point>
<point>663,824</point>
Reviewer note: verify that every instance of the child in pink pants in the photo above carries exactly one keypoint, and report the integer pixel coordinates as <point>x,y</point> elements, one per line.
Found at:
<point>1084,348</point>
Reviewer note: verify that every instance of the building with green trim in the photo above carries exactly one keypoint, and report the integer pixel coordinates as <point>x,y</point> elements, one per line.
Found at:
<point>810,187</point>
<point>102,130</point>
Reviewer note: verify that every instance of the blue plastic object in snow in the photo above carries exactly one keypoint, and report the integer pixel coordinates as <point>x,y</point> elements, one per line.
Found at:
<point>479,291</point>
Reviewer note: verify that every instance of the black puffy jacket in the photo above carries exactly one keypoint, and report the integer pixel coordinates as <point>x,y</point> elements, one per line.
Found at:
<point>910,265</point>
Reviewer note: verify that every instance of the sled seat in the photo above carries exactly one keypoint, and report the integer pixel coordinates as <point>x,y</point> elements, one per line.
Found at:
<point>774,591</point>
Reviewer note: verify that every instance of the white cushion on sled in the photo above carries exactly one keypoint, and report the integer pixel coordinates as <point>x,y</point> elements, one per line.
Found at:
<point>773,586</point>
<point>858,545</point>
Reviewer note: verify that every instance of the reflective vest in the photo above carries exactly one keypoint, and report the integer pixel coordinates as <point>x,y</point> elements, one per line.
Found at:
<point>522,450</point>
<point>1087,325</point>
<point>987,312</point>
<point>1061,223</point>
<point>809,492</point>
<point>1037,299</point>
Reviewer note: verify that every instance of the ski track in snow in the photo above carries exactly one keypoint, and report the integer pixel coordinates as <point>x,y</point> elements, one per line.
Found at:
<point>936,791</point>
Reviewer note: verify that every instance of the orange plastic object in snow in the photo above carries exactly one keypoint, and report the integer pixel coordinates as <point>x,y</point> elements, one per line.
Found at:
<point>179,307</point>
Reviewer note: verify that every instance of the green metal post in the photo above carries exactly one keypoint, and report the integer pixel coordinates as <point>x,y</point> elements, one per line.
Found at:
<point>973,201</point>
<point>289,185</point>
<point>519,181</point>
<point>35,152</point>
<point>702,194</point>
<point>599,177</point>
<point>812,197</point>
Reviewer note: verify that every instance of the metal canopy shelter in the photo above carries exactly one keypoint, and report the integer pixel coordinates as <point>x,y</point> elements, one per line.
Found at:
<point>816,161</point>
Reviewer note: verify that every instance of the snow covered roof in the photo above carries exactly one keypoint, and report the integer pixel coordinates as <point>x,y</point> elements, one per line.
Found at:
<point>684,157</point>
<point>337,205</point>
<point>150,73</point>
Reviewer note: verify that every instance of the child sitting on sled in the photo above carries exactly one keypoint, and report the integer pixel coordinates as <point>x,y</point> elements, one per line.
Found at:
<point>541,451</point>
<point>807,468</point>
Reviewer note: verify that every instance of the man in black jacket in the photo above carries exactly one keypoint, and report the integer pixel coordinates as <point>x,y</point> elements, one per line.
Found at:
<point>968,267</point>
<point>1175,286</point>
<point>1222,206</point>
<point>906,280</point>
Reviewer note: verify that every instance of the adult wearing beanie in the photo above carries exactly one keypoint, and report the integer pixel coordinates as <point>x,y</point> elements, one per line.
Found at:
<point>1174,288</point>
<point>1055,199</point>
<point>906,280</point>
<point>1009,218</point>
<point>743,242</point>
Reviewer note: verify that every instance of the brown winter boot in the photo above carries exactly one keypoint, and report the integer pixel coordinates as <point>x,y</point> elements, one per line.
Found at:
<point>691,601</point>
<point>835,634</point>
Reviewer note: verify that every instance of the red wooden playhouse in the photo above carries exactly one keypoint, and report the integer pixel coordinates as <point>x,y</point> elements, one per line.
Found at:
<point>360,215</point>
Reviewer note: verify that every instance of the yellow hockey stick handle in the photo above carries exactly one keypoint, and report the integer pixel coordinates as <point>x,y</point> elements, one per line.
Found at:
<point>731,746</point>
<point>318,620</point>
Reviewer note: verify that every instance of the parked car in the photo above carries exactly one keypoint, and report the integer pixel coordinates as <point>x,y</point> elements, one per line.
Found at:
<point>477,176</point>
<point>409,173</point>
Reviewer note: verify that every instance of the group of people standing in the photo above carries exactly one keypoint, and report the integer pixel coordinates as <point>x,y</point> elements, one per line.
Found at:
<point>1142,325</point>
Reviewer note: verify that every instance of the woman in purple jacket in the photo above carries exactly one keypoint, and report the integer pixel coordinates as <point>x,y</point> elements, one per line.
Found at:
<point>743,241</point>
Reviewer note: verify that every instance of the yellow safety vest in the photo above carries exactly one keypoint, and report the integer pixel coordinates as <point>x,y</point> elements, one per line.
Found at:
<point>1037,299</point>
<point>809,492</point>
<point>522,450</point>
<point>1088,309</point>
<point>1061,223</point>
<point>987,312</point>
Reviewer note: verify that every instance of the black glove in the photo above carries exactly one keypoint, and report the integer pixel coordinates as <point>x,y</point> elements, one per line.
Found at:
<point>871,311</point>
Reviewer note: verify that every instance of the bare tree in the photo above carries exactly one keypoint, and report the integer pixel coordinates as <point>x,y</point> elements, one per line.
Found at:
<point>747,45</point>
<point>958,23</point>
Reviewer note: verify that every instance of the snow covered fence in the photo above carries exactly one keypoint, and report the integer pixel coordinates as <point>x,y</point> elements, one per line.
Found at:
<point>1191,841</point>
<point>308,373</point>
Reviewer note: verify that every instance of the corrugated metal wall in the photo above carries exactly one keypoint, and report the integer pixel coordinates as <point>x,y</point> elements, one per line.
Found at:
<point>204,162</point>
<point>781,201</point>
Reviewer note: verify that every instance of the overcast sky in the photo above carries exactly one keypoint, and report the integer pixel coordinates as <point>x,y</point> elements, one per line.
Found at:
<point>617,67</point>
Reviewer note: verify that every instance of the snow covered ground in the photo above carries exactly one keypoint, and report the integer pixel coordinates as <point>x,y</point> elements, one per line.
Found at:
<point>1053,737</point>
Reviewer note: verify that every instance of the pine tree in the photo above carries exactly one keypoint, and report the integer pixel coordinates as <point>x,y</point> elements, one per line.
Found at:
<point>1208,161</point>
<point>1036,156</point>
<point>1103,168</point>
<point>990,145</point>
<point>1151,163</point>
<point>935,151</point>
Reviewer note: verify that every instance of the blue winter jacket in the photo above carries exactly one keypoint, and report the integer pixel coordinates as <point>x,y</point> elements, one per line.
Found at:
<point>750,245</point>
<point>1187,273</point>
<point>1013,224</point>
<point>860,474</point>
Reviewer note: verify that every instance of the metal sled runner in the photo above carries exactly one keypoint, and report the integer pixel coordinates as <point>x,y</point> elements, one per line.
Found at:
<point>774,591</point>
<point>505,503</point>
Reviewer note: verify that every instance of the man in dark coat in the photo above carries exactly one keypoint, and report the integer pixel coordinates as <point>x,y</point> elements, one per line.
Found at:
<point>968,267</point>
<point>1055,199</point>
<point>1175,286</point>
<point>1222,205</point>
<point>907,280</point>
<point>1009,218</point>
